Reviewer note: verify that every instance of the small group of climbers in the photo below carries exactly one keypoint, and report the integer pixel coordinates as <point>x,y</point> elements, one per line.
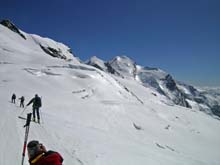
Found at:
<point>37,153</point>
<point>36,104</point>
<point>13,98</point>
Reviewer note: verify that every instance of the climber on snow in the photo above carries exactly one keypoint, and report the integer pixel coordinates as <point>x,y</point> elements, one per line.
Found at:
<point>36,106</point>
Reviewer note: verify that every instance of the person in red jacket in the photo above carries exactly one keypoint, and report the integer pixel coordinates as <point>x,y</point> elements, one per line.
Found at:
<point>38,155</point>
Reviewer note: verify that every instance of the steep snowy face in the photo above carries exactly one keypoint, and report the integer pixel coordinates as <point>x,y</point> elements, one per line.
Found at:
<point>13,39</point>
<point>98,63</point>
<point>55,49</point>
<point>150,76</point>
<point>206,99</point>
<point>122,66</point>
<point>163,83</point>
<point>213,96</point>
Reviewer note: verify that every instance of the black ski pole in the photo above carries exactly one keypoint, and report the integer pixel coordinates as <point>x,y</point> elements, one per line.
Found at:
<point>27,126</point>
<point>41,112</point>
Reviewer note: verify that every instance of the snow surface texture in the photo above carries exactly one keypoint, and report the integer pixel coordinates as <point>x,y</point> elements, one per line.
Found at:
<point>93,118</point>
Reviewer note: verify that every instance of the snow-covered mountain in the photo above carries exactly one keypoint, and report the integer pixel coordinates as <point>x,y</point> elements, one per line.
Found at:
<point>32,43</point>
<point>179,93</point>
<point>95,118</point>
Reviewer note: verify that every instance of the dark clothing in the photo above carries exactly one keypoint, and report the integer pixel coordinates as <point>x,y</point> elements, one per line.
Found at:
<point>21,101</point>
<point>48,158</point>
<point>36,109</point>
<point>36,105</point>
<point>36,102</point>
<point>13,98</point>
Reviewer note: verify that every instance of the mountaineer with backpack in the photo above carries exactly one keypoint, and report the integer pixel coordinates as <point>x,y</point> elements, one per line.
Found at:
<point>13,97</point>
<point>36,106</point>
<point>38,155</point>
<point>21,101</point>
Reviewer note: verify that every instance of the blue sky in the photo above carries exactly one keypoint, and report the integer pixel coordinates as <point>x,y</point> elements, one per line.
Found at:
<point>181,37</point>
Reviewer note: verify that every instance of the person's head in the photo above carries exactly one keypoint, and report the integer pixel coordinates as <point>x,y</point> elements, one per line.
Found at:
<point>36,95</point>
<point>35,148</point>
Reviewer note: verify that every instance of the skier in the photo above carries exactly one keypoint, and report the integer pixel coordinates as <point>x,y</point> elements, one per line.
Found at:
<point>38,155</point>
<point>21,101</point>
<point>13,98</point>
<point>36,105</point>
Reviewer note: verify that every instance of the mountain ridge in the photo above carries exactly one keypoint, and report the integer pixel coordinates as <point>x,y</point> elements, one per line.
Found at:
<point>180,93</point>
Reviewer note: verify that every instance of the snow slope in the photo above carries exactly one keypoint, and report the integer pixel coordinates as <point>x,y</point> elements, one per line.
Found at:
<point>93,118</point>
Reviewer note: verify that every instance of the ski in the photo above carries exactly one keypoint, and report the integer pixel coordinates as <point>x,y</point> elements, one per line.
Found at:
<point>24,118</point>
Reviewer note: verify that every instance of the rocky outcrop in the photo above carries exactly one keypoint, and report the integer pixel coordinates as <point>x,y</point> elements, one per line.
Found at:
<point>53,52</point>
<point>178,96</point>
<point>54,48</point>
<point>216,110</point>
<point>12,27</point>
<point>170,83</point>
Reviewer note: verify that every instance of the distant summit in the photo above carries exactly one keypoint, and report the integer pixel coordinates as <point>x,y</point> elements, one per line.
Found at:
<point>123,66</point>
<point>98,63</point>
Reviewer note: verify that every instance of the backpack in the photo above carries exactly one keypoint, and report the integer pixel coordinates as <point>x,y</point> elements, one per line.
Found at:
<point>37,102</point>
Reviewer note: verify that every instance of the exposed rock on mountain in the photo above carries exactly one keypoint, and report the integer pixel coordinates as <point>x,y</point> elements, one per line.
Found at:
<point>53,48</point>
<point>12,27</point>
